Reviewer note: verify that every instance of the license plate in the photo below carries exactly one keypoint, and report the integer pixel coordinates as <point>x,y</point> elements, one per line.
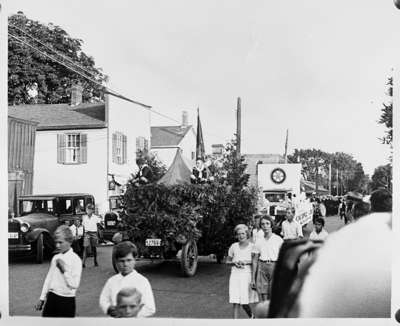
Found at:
<point>153,242</point>
<point>13,235</point>
<point>111,223</point>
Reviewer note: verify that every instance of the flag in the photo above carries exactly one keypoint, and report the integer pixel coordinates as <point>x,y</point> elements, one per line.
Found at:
<point>200,152</point>
<point>286,144</point>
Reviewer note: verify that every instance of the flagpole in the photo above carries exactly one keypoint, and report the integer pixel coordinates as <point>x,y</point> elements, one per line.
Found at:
<point>286,144</point>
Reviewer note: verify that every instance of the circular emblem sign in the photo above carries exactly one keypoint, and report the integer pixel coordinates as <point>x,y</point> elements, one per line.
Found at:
<point>278,175</point>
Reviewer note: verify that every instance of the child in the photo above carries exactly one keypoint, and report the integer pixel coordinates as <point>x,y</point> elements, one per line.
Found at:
<point>125,253</point>
<point>129,302</point>
<point>239,256</point>
<point>63,278</point>
<point>90,237</point>
<point>77,232</point>
<point>291,229</point>
<point>319,233</point>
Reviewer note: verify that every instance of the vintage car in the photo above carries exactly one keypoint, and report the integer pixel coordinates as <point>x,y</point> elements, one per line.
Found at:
<point>112,219</point>
<point>38,216</point>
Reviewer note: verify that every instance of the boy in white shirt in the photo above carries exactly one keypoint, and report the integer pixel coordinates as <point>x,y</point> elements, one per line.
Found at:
<point>129,302</point>
<point>291,229</point>
<point>319,233</point>
<point>63,278</point>
<point>125,254</point>
<point>90,238</point>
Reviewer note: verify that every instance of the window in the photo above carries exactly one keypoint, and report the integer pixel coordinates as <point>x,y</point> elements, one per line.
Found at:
<point>72,148</point>
<point>142,145</point>
<point>119,143</point>
<point>193,155</point>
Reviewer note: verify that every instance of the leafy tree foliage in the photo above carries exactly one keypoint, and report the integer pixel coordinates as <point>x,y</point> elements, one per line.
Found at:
<point>158,169</point>
<point>382,177</point>
<point>386,117</point>
<point>28,69</point>
<point>346,173</point>
<point>207,213</point>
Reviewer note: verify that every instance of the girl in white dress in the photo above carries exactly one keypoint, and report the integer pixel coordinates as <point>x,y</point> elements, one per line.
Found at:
<point>239,256</point>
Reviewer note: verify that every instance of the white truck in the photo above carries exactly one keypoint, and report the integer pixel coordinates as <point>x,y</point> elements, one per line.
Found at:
<point>280,186</point>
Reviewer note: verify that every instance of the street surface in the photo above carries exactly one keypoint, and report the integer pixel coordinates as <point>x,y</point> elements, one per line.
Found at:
<point>203,296</point>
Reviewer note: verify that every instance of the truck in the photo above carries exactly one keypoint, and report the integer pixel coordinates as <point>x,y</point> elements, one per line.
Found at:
<point>280,186</point>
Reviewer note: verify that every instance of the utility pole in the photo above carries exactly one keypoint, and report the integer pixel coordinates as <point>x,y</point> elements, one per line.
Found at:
<point>238,127</point>
<point>330,179</point>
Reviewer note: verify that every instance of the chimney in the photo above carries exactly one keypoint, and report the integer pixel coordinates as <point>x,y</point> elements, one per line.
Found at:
<point>76,94</point>
<point>185,119</point>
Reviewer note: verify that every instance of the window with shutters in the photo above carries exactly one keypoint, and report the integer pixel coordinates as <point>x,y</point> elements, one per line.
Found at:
<point>119,148</point>
<point>72,148</point>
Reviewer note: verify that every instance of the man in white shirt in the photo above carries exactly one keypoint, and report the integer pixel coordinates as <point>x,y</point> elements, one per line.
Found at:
<point>62,280</point>
<point>124,254</point>
<point>90,238</point>
<point>319,233</point>
<point>265,255</point>
<point>291,229</point>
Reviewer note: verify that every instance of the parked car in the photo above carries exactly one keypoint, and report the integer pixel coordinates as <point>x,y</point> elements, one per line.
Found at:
<point>38,216</point>
<point>113,218</point>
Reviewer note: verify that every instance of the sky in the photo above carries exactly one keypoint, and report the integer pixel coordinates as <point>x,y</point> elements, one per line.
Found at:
<point>317,68</point>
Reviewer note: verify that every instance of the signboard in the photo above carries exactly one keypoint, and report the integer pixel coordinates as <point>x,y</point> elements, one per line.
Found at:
<point>304,213</point>
<point>280,177</point>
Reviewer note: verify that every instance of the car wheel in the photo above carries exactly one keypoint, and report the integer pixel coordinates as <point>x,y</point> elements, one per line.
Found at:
<point>39,249</point>
<point>189,258</point>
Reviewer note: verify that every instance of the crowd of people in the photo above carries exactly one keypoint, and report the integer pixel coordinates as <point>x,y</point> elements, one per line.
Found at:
<point>129,294</point>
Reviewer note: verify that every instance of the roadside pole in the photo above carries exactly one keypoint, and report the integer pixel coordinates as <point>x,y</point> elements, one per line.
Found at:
<point>238,127</point>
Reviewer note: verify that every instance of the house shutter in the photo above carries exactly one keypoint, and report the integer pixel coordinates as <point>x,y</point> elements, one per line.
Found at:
<point>124,149</point>
<point>83,148</point>
<point>146,145</point>
<point>61,148</point>
<point>114,148</point>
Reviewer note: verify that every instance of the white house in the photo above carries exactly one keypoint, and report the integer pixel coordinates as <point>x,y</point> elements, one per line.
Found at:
<point>82,147</point>
<point>165,140</point>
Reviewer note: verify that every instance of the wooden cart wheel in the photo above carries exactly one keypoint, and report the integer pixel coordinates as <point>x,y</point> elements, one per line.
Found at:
<point>189,258</point>
<point>39,249</point>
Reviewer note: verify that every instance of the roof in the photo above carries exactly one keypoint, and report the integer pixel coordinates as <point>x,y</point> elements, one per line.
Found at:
<point>52,196</point>
<point>61,116</point>
<point>168,135</point>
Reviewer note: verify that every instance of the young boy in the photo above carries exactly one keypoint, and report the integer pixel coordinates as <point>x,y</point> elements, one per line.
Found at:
<point>291,229</point>
<point>90,238</point>
<point>77,231</point>
<point>125,253</point>
<point>319,233</point>
<point>129,302</point>
<point>63,278</point>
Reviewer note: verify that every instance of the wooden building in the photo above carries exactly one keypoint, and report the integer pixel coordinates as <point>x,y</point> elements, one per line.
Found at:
<point>21,151</point>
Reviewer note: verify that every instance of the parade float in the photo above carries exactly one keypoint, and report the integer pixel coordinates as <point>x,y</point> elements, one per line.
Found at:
<point>173,219</point>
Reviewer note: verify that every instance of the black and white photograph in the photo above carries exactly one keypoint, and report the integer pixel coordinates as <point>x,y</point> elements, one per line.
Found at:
<point>210,160</point>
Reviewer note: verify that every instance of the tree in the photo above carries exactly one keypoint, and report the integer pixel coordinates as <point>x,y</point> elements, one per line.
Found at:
<point>158,169</point>
<point>346,173</point>
<point>382,177</point>
<point>28,69</point>
<point>386,117</point>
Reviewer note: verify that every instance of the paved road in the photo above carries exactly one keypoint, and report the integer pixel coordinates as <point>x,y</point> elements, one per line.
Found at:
<point>203,296</point>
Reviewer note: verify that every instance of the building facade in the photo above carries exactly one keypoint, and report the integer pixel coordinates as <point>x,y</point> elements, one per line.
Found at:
<point>82,147</point>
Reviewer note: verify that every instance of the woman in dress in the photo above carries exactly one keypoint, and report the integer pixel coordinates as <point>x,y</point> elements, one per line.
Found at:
<point>239,256</point>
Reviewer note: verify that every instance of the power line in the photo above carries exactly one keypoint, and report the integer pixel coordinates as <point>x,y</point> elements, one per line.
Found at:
<point>55,51</point>
<point>104,88</point>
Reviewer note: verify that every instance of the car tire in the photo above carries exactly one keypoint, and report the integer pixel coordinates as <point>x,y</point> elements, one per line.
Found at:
<point>189,258</point>
<point>39,249</point>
